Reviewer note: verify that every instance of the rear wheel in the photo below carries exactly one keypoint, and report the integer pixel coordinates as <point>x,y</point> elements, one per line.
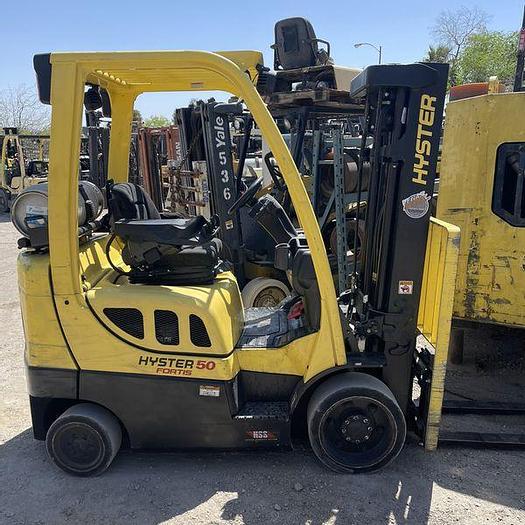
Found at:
<point>355,424</point>
<point>84,440</point>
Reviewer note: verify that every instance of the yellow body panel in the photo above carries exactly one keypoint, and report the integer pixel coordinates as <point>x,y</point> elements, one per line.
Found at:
<point>435,312</point>
<point>44,343</point>
<point>218,305</point>
<point>490,282</point>
<point>83,281</point>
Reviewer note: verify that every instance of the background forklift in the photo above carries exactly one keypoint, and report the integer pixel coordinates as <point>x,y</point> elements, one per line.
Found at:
<point>141,338</point>
<point>18,170</point>
<point>482,191</point>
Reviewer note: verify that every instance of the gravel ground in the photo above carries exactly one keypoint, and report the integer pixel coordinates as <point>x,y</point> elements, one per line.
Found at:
<point>448,486</point>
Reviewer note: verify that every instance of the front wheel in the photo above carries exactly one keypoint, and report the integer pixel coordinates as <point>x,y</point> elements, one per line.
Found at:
<point>355,424</point>
<point>84,440</point>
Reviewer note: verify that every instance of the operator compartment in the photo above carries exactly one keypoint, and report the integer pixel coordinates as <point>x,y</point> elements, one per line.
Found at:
<point>176,295</point>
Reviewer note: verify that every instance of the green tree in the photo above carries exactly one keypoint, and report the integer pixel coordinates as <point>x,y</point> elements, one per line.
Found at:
<point>453,28</point>
<point>137,117</point>
<point>157,121</point>
<point>438,53</point>
<point>487,54</point>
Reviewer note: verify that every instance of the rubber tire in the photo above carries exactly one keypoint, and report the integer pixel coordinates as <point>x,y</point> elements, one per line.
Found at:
<point>351,225</point>
<point>4,201</point>
<point>256,286</point>
<point>102,421</point>
<point>343,386</point>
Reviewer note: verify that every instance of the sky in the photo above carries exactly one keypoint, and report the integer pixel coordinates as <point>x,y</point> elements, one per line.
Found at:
<point>402,28</point>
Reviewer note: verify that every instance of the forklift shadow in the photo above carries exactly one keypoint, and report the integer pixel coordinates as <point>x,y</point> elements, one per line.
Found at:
<point>247,487</point>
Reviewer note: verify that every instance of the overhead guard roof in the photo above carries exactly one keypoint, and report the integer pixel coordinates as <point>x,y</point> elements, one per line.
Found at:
<point>143,71</point>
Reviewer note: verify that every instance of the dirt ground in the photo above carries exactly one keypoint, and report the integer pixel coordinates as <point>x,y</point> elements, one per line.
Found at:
<point>449,486</point>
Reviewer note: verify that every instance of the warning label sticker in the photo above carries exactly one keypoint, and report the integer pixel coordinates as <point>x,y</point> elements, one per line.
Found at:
<point>209,390</point>
<point>405,287</point>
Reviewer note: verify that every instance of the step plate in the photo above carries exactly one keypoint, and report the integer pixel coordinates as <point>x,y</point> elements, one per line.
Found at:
<point>264,424</point>
<point>264,410</point>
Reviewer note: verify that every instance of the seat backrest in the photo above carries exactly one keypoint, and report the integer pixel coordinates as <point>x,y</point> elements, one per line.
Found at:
<point>295,44</point>
<point>304,282</point>
<point>129,201</point>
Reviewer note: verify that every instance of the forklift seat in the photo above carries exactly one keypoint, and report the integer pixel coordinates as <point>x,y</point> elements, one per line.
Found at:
<point>129,201</point>
<point>296,45</point>
<point>161,251</point>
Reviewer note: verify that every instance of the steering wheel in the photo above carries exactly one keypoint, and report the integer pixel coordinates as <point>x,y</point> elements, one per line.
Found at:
<point>247,196</point>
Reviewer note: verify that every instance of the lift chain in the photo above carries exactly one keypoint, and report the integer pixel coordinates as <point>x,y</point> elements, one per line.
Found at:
<point>188,152</point>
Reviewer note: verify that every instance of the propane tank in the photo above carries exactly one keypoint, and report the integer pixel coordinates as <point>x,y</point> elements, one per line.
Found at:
<point>30,208</point>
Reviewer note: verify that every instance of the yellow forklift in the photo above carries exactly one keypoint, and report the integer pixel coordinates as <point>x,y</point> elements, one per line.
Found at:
<point>135,330</point>
<point>482,190</point>
<point>484,194</point>
<point>15,173</point>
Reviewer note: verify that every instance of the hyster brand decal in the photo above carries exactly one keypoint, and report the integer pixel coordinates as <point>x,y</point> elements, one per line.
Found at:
<point>427,113</point>
<point>176,366</point>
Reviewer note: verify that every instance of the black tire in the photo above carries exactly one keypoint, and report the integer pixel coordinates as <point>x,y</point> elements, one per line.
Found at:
<point>355,423</point>
<point>84,440</point>
<point>352,228</point>
<point>4,201</point>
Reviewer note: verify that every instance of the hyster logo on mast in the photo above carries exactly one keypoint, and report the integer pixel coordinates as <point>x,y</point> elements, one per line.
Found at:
<point>424,134</point>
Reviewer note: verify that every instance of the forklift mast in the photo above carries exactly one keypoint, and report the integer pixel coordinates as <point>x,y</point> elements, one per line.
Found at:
<point>403,116</point>
<point>221,176</point>
<point>205,135</point>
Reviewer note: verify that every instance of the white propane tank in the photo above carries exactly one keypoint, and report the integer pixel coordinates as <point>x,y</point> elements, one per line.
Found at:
<point>31,205</point>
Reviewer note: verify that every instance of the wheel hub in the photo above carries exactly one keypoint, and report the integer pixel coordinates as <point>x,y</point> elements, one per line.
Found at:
<point>357,428</point>
<point>78,446</point>
<point>81,446</point>
<point>269,297</point>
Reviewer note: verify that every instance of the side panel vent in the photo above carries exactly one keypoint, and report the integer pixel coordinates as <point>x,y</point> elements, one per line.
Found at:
<point>198,333</point>
<point>166,327</point>
<point>129,320</point>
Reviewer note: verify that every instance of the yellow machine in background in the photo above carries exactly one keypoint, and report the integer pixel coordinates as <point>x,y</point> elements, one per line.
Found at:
<point>482,191</point>
<point>16,174</point>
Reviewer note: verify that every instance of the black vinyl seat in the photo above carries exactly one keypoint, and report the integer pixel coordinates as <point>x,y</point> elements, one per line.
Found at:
<point>130,201</point>
<point>175,232</point>
<point>161,251</point>
<point>296,45</point>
